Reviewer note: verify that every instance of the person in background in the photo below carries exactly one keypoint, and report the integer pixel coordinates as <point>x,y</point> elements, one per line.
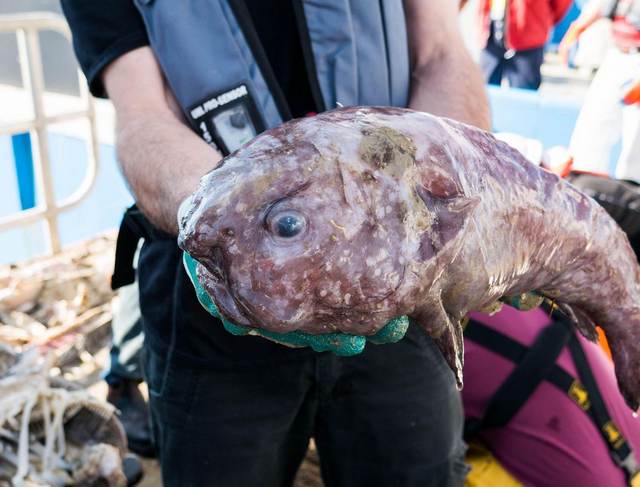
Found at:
<point>512,38</point>
<point>611,110</point>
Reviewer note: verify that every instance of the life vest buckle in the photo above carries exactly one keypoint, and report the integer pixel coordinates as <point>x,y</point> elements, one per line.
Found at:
<point>579,394</point>
<point>630,465</point>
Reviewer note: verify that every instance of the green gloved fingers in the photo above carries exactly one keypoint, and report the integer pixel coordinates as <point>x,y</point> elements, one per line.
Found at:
<point>392,332</point>
<point>524,301</point>
<point>338,343</point>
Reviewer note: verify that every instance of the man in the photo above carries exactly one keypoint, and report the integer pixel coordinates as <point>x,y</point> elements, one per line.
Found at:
<point>512,38</point>
<point>611,110</point>
<point>230,410</point>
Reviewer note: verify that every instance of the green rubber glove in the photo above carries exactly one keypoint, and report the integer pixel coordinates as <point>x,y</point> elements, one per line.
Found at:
<point>338,343</point>
<point>525,301</point>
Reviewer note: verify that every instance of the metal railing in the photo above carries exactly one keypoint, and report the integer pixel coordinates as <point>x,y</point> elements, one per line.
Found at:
<point>26,27</point>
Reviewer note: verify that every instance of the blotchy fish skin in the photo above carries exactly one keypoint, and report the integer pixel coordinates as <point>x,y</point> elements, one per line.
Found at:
<point>345,220</point>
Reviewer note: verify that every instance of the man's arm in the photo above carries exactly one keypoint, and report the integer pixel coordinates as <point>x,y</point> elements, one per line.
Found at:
<point>161,157</point>
<point>445,80</point>
<point>591,12</point>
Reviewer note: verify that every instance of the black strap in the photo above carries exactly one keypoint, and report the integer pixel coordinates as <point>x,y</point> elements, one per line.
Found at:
<point>514,351</point>
<point>242,15</point>
<point>134,226</point>
<point>585,394</point>
<point>618,447</point>
<point>307,54</point>
<point>534,366</point>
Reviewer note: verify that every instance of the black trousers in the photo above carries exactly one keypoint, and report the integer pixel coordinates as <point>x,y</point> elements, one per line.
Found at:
<point>521,68</point>
<point>239,411</point>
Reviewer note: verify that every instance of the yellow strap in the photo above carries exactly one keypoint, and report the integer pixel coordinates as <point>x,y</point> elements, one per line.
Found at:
<point>635,480</point>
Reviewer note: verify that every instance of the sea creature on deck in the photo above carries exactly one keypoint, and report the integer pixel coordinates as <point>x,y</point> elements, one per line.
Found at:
<point>345,220</point>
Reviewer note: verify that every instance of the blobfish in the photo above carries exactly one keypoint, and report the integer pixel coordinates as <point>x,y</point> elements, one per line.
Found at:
<point>345,220</point>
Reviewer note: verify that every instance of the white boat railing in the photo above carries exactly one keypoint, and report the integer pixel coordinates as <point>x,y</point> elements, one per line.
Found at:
<point>26,27</point>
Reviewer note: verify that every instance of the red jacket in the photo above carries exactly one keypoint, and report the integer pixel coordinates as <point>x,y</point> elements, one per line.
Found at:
<point>527,21</point>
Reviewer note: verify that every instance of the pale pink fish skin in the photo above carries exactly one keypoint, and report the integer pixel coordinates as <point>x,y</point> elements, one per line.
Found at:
<point>405,214</point>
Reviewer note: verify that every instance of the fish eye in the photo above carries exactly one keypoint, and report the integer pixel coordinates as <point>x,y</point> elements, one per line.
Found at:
<point>287,224</point>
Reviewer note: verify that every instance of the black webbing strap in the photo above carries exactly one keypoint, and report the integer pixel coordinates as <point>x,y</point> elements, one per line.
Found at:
<point>134,226</point>
<point>533,367</point>
<point>618,447</point>
<point>586,395</point>
<point>514,351</point>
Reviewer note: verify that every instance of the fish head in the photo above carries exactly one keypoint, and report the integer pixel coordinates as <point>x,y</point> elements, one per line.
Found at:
<point>315,225</point>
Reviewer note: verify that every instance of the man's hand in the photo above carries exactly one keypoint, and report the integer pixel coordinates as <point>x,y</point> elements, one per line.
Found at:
<point>445,80</point>
<point>161,157</point>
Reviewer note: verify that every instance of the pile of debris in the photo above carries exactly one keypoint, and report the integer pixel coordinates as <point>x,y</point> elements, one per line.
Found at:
<point>55,330</point>
<point>63,301</point>
<point>55,316</point>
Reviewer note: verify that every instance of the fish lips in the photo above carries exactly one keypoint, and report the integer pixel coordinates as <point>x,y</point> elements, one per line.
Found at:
<point>223,299</point>
<point>239,311</point>
<point>315,315</point>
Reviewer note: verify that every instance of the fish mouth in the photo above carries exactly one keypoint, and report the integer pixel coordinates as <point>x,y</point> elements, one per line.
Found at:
<point>238,311</point>
<point>348,319</point>
<point>217,289</point>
